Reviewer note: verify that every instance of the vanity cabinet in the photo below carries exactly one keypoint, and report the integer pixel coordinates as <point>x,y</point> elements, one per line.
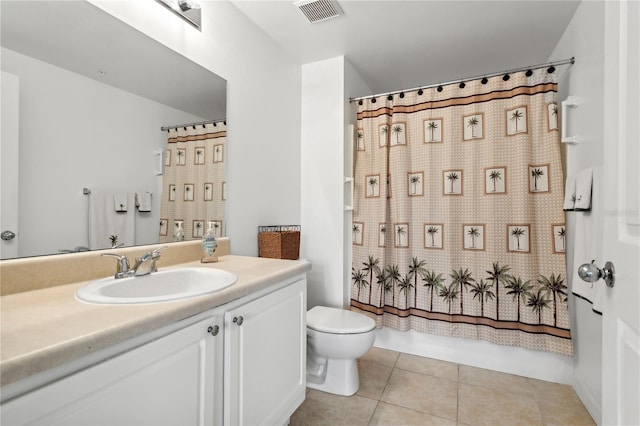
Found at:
<point>240,363</point>
<point>175,379</point>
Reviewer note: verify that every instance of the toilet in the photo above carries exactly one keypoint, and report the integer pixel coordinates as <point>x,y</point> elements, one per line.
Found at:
<point>336,338</point>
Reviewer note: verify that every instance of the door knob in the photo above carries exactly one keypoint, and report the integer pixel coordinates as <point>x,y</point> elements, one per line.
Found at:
<point>213,330</point>
<point>8,235</point>
<point>590,273</point>
<point>238,320</point>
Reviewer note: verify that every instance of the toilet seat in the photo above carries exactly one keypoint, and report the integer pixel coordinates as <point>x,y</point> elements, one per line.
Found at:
<point>338,321</point>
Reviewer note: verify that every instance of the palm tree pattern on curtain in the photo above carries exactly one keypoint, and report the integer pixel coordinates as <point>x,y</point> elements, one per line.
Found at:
<point>494,269</point>
<point>193,181</point>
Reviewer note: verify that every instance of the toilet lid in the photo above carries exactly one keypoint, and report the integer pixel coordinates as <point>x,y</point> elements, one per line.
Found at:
<point>338,321</point>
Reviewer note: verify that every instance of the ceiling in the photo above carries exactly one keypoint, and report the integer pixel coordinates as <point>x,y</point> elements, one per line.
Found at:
<point>393,45</point>
<point>396,45</point>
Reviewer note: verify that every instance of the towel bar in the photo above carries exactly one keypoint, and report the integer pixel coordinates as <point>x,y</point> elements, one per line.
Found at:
<point>570,102</point>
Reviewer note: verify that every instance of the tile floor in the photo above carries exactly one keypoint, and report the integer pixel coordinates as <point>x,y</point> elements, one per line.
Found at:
<point>402,389</point>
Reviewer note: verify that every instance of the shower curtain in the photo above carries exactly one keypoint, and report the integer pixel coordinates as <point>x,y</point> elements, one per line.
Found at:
<point>458,227</point>
<point>194,187</point>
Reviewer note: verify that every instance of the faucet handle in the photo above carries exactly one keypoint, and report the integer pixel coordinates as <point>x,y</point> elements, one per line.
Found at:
<point>155,253</point>
<point>123,264</point>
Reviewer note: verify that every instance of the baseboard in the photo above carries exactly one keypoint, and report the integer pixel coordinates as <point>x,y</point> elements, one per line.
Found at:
<point>593,406</point>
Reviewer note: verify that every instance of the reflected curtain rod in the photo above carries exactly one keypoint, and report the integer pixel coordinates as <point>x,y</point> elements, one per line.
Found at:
<point>87,191</point>
<point>571,61</point>
<point>199,123</point>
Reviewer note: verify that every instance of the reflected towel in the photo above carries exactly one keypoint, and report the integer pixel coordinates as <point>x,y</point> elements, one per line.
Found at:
<point>106,226</point>
<point>588,245</point>
<point>584,183</point>
<point>143,201</point>
<point>569,194</point>
<point>120,201</point>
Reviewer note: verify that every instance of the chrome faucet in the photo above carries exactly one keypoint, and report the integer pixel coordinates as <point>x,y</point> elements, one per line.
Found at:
<point>147,263</point>
<point>143,266</point>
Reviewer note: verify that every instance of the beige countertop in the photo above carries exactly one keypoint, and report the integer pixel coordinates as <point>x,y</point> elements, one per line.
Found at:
<point>48,327</point>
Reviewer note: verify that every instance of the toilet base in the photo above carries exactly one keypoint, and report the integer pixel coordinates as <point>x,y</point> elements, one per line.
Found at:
<point>342,378</point>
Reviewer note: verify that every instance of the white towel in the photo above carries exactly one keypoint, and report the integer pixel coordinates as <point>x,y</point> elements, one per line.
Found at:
<point>120,201</point>
<point>143,201</point>
<point>569,194</point>
<point>105,223</point>
<point>584,182</point>
<point>588,246</point>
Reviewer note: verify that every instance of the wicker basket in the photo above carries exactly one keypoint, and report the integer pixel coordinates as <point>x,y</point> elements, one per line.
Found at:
<point>279,241</point>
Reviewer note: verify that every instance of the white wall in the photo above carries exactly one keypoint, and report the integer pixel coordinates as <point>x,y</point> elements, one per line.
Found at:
<point>263,108</point>
<point>354,86</point>
<point>584,39</point>
<point>326,114</point>
<point>76,132</point>
<point>322,160</point>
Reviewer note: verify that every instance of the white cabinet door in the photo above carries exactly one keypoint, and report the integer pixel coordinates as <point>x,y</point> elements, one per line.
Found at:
<point>265,355</point>
<point>175,380</point>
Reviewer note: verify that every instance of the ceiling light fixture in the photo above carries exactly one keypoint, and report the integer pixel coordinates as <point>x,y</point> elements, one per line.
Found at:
<point>185,5</point>
<point>189,10</point>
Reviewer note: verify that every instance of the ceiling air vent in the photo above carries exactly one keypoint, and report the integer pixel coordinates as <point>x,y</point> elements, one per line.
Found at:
<point>319,10</point>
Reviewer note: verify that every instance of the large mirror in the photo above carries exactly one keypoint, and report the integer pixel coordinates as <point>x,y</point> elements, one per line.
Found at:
<point>84,97</point>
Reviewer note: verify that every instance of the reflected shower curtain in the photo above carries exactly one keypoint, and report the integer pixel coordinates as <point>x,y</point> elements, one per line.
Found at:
<point>194,187</point>
<point>458,228</point>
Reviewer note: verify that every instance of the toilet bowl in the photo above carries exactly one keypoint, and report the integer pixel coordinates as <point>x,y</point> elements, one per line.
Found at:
<point>336,338</point>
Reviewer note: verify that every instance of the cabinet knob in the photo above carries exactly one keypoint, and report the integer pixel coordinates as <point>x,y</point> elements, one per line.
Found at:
<point>8,235</point>
<point>213,330</point>
<point>238,320</point>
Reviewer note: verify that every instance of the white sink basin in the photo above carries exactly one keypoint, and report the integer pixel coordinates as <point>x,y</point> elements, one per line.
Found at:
<point>162,286</point>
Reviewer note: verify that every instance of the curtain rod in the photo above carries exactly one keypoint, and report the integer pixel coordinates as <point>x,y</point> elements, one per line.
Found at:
<point>199,123</point>
<point>533,67</point>
<point>87,191</point>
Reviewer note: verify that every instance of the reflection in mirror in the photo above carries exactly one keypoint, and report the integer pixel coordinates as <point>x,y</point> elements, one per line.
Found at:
<point>194,188</point>
<point>189,10</point>
<point>88,95</point>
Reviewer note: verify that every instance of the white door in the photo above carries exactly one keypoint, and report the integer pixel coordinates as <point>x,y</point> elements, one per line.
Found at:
<point>621,239</point>
<point>10,86</point>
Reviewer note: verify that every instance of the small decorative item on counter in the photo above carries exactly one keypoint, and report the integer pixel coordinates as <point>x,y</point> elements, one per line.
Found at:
<point>209,244</point>
<point>279,241</point>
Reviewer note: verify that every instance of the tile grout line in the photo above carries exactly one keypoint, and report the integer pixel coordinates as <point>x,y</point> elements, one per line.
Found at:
<point>373,413</point>
<point>535,398</point>
<point>395,367</point>
<point>384,388</point>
